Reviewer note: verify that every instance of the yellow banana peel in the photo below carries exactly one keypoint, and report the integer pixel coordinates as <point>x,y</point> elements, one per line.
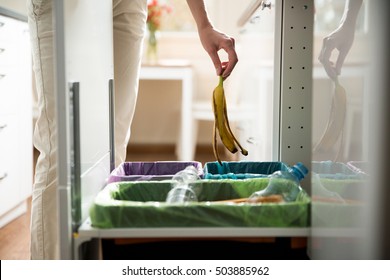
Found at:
<point>335,126</point>
<point>221,124</point>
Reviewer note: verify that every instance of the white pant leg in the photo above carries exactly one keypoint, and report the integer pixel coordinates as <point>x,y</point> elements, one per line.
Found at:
<point>44,232</point>
<point>129,29</point>
<point>129,20</point>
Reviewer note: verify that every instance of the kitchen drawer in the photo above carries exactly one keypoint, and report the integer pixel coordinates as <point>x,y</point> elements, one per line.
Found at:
<point>15,118</point>
<point>9,54</point>
<point>10,188</point>
<point>9,90</point>
<point>9,27</point>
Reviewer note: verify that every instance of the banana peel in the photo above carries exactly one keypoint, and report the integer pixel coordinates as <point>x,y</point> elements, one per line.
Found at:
<point>221,124</point>
<point>335,126</point>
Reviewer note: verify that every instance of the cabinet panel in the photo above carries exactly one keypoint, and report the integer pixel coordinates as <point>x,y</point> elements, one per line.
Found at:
<point>7,28</point>
<point>8,54</point>
<point>16,147</point>
<point>89,61</point>
<point>9,172</point>
<point>8,90</point>
<point>84,57</point>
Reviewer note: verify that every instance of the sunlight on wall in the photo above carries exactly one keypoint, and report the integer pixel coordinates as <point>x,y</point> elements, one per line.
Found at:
<point>255,45</point>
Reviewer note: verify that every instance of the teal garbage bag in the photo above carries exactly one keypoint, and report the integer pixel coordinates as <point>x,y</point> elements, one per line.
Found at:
<point>242,169</point>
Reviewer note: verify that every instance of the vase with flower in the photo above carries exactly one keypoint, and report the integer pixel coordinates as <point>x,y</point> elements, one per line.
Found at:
<point>155,13</point>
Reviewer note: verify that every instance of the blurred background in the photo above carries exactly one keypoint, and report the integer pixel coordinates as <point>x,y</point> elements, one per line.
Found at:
<point>251,84</point>
<point>156,130</point>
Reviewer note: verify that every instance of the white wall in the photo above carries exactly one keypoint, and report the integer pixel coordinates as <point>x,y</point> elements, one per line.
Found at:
<point>252,48</point>
<point>157,115</point>
<point>224,15</point>
<point>15,5</point>
<point>158,108</point>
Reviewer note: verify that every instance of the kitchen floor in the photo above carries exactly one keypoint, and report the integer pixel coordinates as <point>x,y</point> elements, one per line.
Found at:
<point>15,236</point>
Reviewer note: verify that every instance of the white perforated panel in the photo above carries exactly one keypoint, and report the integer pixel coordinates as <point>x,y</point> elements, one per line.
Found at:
<point>293,81</point>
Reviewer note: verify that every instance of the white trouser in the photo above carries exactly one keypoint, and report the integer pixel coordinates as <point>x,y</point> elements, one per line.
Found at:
<point>129,22</point>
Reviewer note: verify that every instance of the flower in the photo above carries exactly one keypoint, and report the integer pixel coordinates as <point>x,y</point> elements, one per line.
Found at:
<point>155,12</point>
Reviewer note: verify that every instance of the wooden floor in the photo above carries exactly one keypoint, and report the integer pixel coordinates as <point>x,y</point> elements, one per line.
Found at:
<point>15,236</point>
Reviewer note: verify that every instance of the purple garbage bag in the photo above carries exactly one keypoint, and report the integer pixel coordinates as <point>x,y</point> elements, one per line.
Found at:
<point>148,171</point>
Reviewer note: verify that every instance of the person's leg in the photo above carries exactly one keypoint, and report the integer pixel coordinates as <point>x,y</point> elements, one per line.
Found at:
<point>44,232</point>
<point>129,20</point>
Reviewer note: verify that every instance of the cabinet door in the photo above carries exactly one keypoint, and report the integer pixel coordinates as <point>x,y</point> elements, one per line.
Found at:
<point>9,171</point>
<point>84,57</point>
<point>8,90</point>
<point>15,118</point>
<point>89,61</point>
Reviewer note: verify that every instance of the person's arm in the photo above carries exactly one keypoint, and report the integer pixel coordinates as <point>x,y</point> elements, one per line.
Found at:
<point>213,40</point>
<point>340,39</point>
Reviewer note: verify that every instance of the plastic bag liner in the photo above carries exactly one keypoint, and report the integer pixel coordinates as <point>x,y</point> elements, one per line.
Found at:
<point>334,170</point>
<point>339,178</point>
<point>142,204</point>
<point>147,171</point>
<point>340,206</point>
<point>337,215</point>
<point>360,167</point>
<point>242,169</point>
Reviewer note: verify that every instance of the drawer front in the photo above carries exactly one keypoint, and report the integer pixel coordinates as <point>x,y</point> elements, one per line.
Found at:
<point>9,27</point>
<point>9,54</point>
<point>9,90</point>
<point>10,188</point>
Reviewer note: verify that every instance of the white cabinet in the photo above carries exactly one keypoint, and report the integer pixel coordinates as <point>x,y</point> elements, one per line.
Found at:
<point>16,152</point>
<point>84,70</point>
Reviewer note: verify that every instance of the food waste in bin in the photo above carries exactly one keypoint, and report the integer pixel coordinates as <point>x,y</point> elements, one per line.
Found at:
<point>143,204</point>
<point>284,185</point>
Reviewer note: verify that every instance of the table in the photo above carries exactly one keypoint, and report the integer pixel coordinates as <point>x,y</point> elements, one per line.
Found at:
<point>179,70</point>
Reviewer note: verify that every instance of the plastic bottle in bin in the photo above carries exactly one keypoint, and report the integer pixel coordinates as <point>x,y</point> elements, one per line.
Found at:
<point>183,189</point>
<point>284,183</point>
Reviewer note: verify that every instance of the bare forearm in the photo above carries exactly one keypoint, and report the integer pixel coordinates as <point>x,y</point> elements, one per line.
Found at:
<point>351,11</point>
<point>213,40</point>
<point>198,10</point>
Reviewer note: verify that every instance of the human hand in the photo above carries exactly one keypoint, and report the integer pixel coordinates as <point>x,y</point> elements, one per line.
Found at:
<point>213,41</point>
<point>340,39</point>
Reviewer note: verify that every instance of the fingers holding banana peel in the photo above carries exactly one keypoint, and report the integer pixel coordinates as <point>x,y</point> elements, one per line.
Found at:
<point>221,123</point>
